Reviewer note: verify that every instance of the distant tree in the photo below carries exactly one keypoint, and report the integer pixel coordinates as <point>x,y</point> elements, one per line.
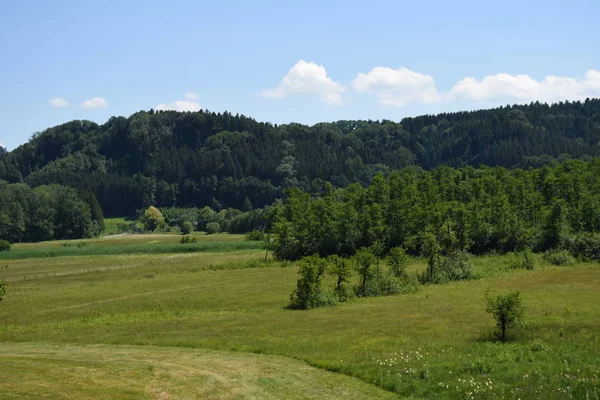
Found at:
<point>507,310</point>
<point>363,262</point>
<point>308,288</point>
<point>398,261</point>
<point>213,227</point>
<point>342,271</point>
<point>152,218</point>
<point>187,227</point>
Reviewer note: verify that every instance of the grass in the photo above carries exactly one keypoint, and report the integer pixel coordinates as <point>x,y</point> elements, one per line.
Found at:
<point>34,371</point>
<point>129,244</point>
<point>111,224</point>
<point>431,344</point>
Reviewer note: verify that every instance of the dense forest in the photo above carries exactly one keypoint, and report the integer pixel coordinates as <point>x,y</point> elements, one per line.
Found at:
<point>222,160</point>
<point>474,210</point>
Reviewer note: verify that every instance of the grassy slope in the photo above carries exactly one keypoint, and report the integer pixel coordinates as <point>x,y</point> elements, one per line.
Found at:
<point>430,344</point>
<point>35,371</point>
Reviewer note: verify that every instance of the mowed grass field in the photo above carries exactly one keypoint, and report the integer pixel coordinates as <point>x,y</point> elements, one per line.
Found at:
<point>213,324</point>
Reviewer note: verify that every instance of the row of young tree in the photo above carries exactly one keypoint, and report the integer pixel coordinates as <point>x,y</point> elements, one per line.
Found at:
<point>48,212</point>
<point>475,210</point>
<point>219,160</point>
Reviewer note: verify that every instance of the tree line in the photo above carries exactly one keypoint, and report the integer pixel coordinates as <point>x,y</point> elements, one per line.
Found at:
<point>49,212</point>
<point>448,210</point>
<point>221,160</point>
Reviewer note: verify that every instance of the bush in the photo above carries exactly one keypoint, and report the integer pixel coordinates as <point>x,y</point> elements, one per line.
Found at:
<point>559,257</point>
<point>255,235</point>
<point>187,239</point>
<point>213,227</point>
<point>152,219</point>
<point>585,246</point>
<point>187,228</point>
<point>2,289</point>
<point>454,267</point>
<point>4,245</point>
<point>524,260</point>
<point>507,310</point>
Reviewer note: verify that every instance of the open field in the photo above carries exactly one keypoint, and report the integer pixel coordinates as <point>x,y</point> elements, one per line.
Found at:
<point>129,244</point>
<point>193,324</point>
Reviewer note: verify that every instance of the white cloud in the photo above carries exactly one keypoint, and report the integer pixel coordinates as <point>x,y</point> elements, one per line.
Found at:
<point>523,88</point>
<point>188,104</point>
<point>402,87</point>
<point>191,96</point>
<point>397,87</point>
<point>58,102</point>
<point>94,102</point>
<point>308,78</point>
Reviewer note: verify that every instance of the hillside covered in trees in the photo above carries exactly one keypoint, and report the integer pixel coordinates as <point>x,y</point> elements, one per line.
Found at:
<point>222,160</point>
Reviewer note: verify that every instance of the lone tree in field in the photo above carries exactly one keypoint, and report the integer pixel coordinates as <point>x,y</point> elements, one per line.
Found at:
<point>152,218</point>
<point>507,310</point>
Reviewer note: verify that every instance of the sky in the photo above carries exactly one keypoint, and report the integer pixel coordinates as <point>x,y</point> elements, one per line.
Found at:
<point>288,61</point>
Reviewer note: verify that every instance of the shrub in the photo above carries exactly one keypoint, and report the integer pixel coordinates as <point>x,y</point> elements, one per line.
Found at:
<point>213,227</point>
<point>585,246</point>
<point>4,245</point>
<point>187,239</point>
<point>255,235</point>
<point>454,267</point>
<point>524,260</point>
<point>2,289</point>
<point>559,257</point>
<point>507,310</point>
<point>187,228</point>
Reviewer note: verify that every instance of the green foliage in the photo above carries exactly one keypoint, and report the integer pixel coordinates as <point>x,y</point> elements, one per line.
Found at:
<point>4,245</point>
<point>188,239</point>
<point>187,228</point>
<point>213,227</point>
<point>559,257</point>
<point>507,310</point>
<point>152,219</point>
<point>308,293</point>
<point>363,263</point>
<point>255,235</point>
<point>454,267</point>
<point>524,260</point>
<point>2,289</point>
<point>398,261</point>
<point>585,245</point>
<point>341,269</point>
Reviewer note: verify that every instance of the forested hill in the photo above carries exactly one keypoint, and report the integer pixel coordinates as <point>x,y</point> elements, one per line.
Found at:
<point>221,160</point>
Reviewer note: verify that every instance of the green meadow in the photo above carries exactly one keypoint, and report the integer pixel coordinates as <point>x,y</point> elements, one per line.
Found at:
<point>212,322</point>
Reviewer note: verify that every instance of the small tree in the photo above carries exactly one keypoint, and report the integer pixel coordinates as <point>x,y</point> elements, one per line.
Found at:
<point>308,288</point>
<point>340,268</point>
<point>213,227</point>
<point>152,218</point>
<point>363,262</point>
<point>2,289</point>
<point>187,228</point>
<point>378,250</point>
<point>507,310</point>
<point>398,261</point>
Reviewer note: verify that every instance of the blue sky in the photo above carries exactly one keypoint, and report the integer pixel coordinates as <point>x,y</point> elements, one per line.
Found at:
<point>303,61</point>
